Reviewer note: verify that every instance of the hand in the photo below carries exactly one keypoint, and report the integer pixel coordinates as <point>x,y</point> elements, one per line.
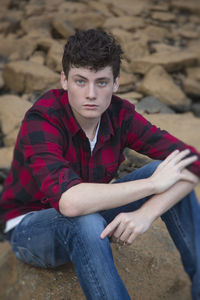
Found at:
<point>127,226</point>
<point>172,169</point>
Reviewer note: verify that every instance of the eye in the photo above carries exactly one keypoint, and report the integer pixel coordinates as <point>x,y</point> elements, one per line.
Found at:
<point>102,83</point>
<point>80,82</point>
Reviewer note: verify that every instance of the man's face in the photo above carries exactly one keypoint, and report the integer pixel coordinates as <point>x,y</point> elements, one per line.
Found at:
<point>89,91</point>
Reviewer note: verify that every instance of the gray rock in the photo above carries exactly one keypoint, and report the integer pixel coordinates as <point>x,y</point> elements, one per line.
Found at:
<point>196,109</point>
<point>152,105</point>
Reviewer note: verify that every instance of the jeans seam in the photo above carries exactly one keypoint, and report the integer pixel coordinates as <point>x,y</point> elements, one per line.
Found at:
<point>181,230</point>
<point>91,270</point>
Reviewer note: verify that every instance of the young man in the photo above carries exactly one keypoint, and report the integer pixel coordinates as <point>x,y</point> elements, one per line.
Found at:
<point>57,202</point>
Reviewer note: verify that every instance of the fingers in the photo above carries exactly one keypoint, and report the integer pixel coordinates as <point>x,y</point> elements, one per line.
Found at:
<point>170,157</point>
<point>108,231</point>
<point>187,161</point>
<point>178,158</point>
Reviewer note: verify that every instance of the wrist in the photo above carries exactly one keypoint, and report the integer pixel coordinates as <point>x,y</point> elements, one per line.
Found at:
<point>152,185</point>
<point>149,212</point>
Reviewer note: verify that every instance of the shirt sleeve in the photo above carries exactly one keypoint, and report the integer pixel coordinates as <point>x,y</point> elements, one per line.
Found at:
<point>150,140</point>
<point>44,145</point>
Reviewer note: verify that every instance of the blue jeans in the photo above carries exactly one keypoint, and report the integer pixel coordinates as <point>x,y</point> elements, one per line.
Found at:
<point>48,239</point>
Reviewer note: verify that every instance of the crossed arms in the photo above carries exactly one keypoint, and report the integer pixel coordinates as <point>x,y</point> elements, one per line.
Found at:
<point>169,184</point>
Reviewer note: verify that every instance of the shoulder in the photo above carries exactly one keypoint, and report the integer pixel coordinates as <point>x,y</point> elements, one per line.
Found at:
<point>51,99</point>
<point>121,108</point>
<point>49,105</point>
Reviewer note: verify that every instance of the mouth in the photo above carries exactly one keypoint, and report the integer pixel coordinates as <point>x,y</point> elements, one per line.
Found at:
<point>90,106</point>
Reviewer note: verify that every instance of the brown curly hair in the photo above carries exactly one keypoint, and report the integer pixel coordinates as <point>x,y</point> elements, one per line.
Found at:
<point>94,49</point>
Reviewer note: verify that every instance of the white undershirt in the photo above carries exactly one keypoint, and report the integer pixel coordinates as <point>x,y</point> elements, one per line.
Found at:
<point>10,224</point>
<point>93,142</point>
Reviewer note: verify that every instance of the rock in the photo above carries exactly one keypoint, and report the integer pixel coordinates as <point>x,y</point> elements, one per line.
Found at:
<point>124,22</point>
<point>12,112</point>
<point>1,80</point>
<point>8,44</point>
<point>122,35</point>
<point>72,7</point>
<point>126,78</point>
<point>193,73</point>
<point>86,21</point>
<point>128,7</point>
<point>133,97</point>
<point>160,7</point>
<point>35,23</point>
<point>179,125</point>
<point>153,33</point>
<point>6,155</point>
<point>10,139</point>
<point>163,16</point>
<point>26,76</point>
<point>9,21</point>
<point>192,6</point>
<point>196,109</point>
<point>135,49</point>
<point>34,9</point>
<point>38,57</point>
<point>100,7</point>
<point>63,27</point>
<point>188,34</point>
<point>152,105</point>
<point>194,47</point>
<point>52,6</point>
<point>153,256</point>
<point>163,48</point>
<point>166,91</point>
<point>54,57</point>
<point>171,61</point>
<point>45,43</point>
<point>19,49</point>
<point>191,87</point>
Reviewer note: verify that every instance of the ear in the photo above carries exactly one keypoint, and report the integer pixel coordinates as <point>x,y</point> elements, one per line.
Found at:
<point>63,80</point>
<point>116,84</point>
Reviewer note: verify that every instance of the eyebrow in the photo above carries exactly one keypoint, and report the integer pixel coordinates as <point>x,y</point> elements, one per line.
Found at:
<point>100,78</point>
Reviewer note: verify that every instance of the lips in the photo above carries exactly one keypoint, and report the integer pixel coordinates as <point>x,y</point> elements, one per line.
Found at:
<point>90,106</point>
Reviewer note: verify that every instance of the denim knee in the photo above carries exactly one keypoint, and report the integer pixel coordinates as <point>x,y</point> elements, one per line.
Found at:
<point>89,226</point>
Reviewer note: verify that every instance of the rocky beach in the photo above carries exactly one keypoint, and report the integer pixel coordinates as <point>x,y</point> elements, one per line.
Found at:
<point>160,74</point>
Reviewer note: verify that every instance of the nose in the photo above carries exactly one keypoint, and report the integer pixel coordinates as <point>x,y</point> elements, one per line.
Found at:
<point>91,92</point>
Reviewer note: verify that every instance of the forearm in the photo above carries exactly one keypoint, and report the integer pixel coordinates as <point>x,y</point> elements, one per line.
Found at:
<point>87,198</point>
<point>160,203</point>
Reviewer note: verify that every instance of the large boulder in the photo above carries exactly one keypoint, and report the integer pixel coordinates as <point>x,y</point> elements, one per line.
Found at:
<point>63,27</point>
<point>6,155</point>
<point>146,267</point>
<point>192,6</point>
<point>171,61</point>
<point>191,87</point>
<point>124,22</point>
<point>158,83</point>
<point>27,76</point>
<point>13,109</point>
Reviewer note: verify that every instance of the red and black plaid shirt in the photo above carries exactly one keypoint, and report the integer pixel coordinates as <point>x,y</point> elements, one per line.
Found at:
<point>52,152</point>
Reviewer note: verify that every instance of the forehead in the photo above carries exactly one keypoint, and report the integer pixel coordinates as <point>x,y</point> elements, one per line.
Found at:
<point>91,74</point>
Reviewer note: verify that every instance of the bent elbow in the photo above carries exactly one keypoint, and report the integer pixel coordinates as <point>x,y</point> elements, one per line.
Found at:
<point>67,207</point>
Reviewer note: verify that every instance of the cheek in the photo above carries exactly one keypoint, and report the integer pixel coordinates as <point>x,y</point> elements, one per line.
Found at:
<point>107,98</point>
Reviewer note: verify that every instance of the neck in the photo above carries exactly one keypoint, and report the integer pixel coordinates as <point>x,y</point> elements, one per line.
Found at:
<point>89,126</point>
<point>90,129</point>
